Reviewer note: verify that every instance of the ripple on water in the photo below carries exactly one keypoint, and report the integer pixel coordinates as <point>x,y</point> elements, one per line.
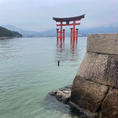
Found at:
<point>28,71</point>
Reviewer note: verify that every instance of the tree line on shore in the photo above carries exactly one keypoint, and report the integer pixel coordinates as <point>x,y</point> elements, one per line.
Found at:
<point>8,33</point>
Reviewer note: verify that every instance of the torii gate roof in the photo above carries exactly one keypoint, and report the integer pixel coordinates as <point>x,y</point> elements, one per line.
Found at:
<point>67,19</point>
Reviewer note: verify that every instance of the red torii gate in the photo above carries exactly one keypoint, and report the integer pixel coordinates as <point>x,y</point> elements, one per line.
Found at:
<point>66,22</point>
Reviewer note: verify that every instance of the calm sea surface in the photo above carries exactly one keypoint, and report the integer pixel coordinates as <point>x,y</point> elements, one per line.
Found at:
<point>28,71</point>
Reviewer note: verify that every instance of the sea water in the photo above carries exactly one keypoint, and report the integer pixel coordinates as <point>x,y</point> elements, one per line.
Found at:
<point>29,70</point>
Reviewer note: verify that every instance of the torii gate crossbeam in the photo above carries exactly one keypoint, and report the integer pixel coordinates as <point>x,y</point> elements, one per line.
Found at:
<point>66,22</point>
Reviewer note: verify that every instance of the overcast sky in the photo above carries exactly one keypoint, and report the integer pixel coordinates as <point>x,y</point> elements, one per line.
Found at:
<point>37,14</point>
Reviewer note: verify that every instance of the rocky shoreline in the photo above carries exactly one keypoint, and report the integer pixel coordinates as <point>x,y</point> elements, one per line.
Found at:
<point>95,87</point>
<point>4,37</point>
<point>63,95</point>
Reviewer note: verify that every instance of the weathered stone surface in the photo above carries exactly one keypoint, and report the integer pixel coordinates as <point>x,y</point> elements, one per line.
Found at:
<point>110,105</point>
<point>87,94</point>
<point>95,87</point>
<point>100,68</point>
<point>111,71</point>
<point>62,94</point>
<point>103,43</point>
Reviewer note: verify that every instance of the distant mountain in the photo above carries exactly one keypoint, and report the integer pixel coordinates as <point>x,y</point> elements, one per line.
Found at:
<point>8,33</point>
<point>52,32</point>
<point>25,33</point>
<point>28,33</point>
<point>110,29</point>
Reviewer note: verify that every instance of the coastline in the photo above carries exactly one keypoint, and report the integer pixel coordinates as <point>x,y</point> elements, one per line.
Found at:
<point>63,95</point>
<point>94,91</point>
<point>2,38</point>
<point>5,37</point>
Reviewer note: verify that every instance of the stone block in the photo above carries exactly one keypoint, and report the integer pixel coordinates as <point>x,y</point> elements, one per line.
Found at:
<point>100,68</point>
<point>110,105</point>
<point>87,95</point>
<point>103,43</point>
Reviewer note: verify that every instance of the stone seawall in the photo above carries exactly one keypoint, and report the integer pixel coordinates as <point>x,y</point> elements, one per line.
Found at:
<point>95,87</point>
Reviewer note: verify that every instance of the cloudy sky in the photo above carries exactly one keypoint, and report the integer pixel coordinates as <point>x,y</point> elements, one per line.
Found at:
<point>37,14</point>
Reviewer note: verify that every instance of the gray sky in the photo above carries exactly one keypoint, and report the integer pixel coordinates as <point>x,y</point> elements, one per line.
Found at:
<point>37,14</point>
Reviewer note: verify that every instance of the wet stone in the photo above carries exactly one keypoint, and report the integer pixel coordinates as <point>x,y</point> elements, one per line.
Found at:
<point>62,94</point>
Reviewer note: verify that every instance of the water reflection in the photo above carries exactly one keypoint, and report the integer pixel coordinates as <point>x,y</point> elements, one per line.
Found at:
<point>65,52</point>
<point>73,50</point>
<point>28,73</point>
<point>8,48</point>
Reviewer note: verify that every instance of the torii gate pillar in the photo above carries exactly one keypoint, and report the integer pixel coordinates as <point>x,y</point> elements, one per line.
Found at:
<point>66,22</point>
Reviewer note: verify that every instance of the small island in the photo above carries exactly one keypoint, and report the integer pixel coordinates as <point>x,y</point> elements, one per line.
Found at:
<point>5,33</point>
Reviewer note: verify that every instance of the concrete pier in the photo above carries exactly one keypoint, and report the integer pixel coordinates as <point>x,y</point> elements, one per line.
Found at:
<point>95,87</point>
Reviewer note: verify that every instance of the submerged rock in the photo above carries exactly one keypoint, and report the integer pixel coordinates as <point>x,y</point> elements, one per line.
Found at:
<point>62,94</point>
